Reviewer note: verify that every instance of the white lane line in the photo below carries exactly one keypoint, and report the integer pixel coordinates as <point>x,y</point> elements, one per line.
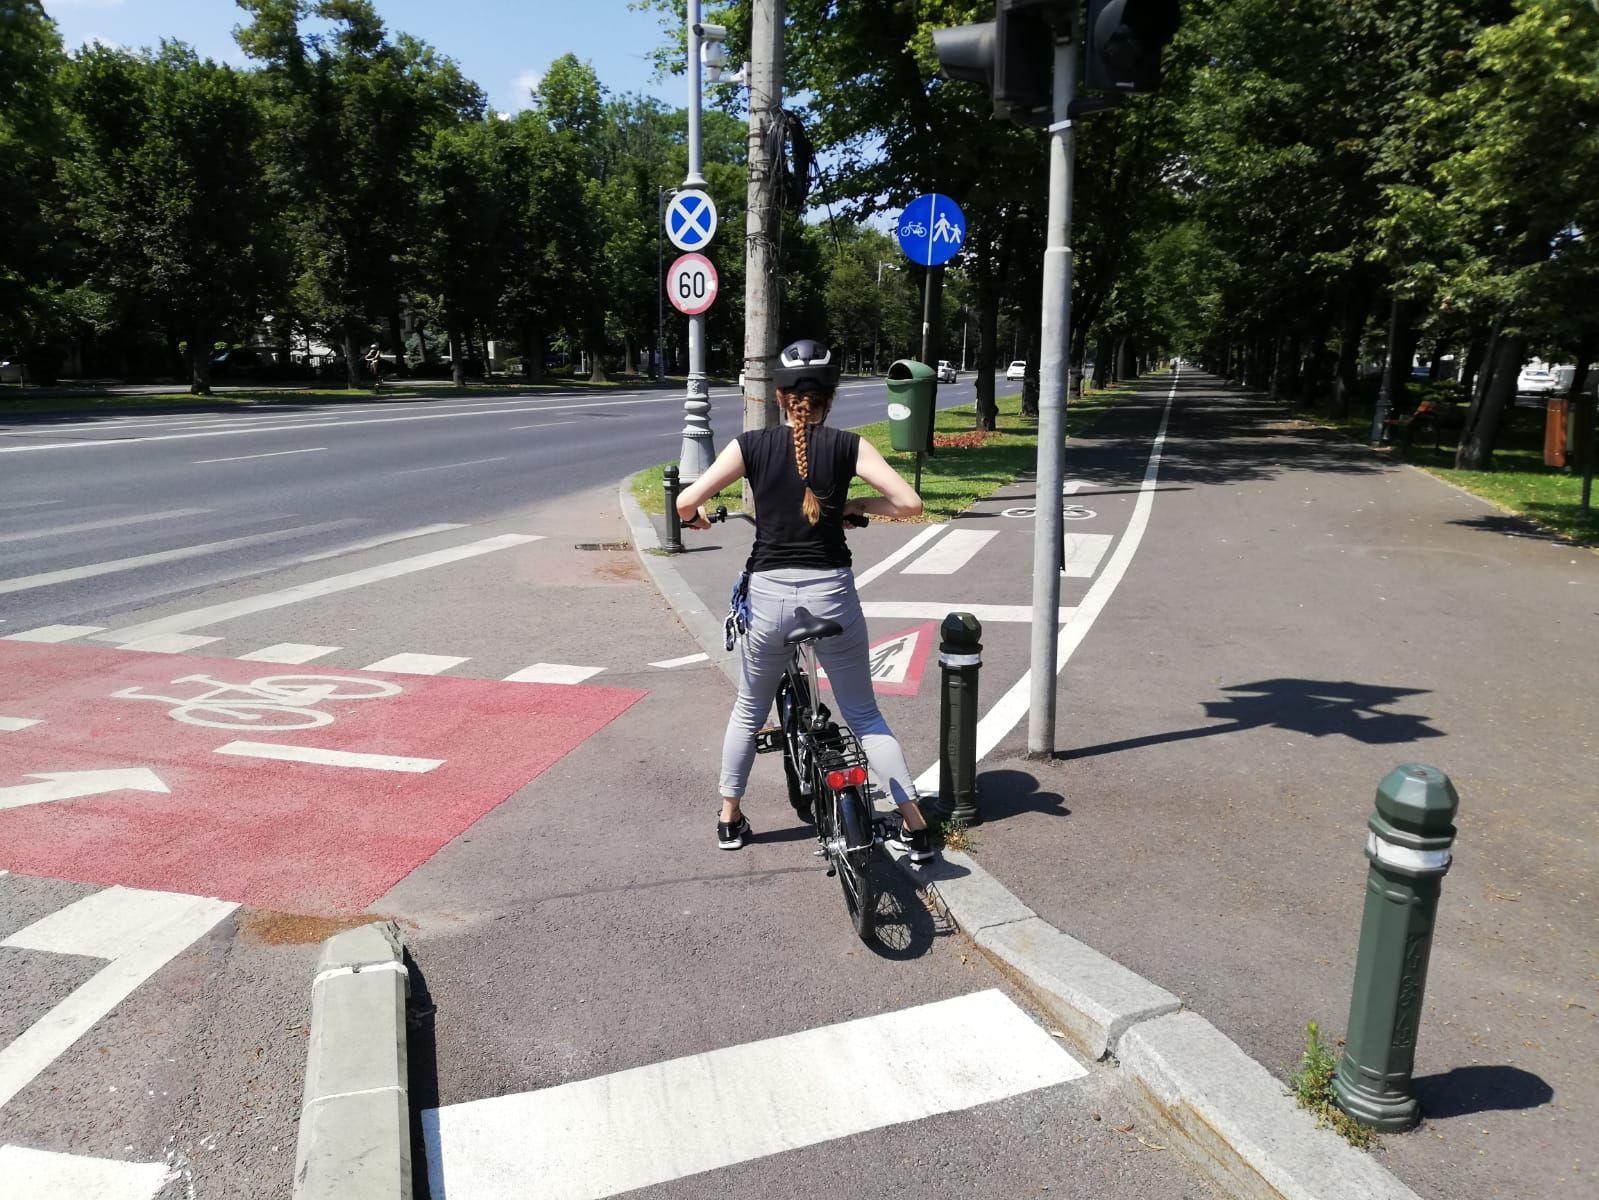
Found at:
<point>546,425</point>
<point>53,633</point>
<point>107,523</point>
<point>169,643</point>
<point>1010,708</point>
<point>18,724</point>
<point>287,652</point>
<point>917,610</point>
<point>1083,552</point>
<point>952,553</point>
<point>553,673</point>
<point>898,556</point>
<point>102,923</point>
<point>89,570</point>
<point>200,462</point>
<point>415,664</point>
<point>669,663</point>
<point>15,504</point>
<point>601,1137</point>
<point>181,921</point>
<point>1072,486</point>
<point>318,756</point>
<point>89,443</point>
<point>471,462</point>
<point>212,614</point>
<point>52,1175</point>
<point>386,539</point>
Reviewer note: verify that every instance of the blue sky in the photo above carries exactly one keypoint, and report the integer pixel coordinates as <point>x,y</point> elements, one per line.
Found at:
<point>501,44</point>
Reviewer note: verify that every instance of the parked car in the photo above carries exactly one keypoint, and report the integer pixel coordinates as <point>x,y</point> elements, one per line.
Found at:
<point>1017,371</point>
<point>946,371</point>
<point>235,364</point>
<point>10,372</point>
<point>1536,381</point>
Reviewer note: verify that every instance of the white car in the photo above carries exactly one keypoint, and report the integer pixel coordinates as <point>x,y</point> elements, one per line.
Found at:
<point>946,371</point>
<point>1536,381</point>
<point>1017,371</point>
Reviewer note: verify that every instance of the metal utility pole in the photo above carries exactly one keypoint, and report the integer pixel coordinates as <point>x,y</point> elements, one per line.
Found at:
<point>697,451</point>
<point>763,211</point>
<point>660,284</point>
<point>1055,361</point>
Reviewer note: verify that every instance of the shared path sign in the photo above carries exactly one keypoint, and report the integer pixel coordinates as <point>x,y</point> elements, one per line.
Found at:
<point>932,230</point>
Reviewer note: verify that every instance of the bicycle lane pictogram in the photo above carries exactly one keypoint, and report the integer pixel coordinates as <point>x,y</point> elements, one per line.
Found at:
<point>290,788</point>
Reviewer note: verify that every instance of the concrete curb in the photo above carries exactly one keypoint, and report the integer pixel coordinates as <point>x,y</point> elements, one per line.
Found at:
<point>1231,1117</point>
<point>355,1120</point>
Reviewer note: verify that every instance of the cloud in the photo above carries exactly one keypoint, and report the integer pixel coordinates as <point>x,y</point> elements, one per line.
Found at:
<point>523,87</point>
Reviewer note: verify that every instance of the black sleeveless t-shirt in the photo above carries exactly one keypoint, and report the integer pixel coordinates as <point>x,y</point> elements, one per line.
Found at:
<point>783,537</point>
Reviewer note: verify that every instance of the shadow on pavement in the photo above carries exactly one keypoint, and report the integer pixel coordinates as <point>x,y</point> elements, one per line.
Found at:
<point>1513,527</point>
<point>1465,1090</point>
<point>1007,794</point>
<point>421,1069</point>
<point>1308,706</point>
<point>905,927</point>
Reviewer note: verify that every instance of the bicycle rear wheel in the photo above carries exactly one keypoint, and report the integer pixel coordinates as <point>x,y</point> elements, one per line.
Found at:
<point>853,826</point>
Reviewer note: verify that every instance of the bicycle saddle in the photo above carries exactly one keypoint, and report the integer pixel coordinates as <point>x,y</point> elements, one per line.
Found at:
<point>808,628</point>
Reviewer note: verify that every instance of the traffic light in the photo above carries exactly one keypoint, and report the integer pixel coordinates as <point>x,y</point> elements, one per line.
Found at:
<point>1011,56</point>
<point>1124,42</point>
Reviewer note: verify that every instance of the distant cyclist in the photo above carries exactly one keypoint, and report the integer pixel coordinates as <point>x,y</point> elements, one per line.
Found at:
<point>374,362</point>
<point>800,474</point>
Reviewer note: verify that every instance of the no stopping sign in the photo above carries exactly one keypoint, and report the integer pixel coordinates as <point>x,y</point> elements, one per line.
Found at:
<point>691,284</point>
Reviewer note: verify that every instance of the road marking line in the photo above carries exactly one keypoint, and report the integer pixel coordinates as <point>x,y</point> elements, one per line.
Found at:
<point>553,673</point>
<point>653,1124</point>
<point>52,1175</point>
<point>101,923</point>
<point>200,462</point>
<point>186,919</point>
<point>917,610</point>
<point>71,574</point>
<point>669,663</point>
<point>53,633</point>
<point>330,758</point>
<point>546,425</point>
<point>287,652</point>
<point>106,523</point>
<point>415,664</point>
<point>373,543</point>
<point>952,553</point>
<point>471,462</point>
<point>213,614</point>
<point>1010,708</point>
<point>1083,552</point>
<point>170,643</point>
<point>17,724</point>
<point>898,556</point>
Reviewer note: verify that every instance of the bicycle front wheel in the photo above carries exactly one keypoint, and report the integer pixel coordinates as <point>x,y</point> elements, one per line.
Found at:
<point>853,828</point>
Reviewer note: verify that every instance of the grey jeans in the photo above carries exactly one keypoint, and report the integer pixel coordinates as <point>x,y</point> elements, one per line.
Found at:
<point>774,595</point>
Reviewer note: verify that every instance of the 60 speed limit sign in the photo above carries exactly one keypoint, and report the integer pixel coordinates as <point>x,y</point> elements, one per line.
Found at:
<point>691,284</point>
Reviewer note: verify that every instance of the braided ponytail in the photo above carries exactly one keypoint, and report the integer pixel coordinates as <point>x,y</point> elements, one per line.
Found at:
<point>799,415</point>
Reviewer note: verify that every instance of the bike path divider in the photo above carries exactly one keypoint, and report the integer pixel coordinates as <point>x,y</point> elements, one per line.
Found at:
<point>355,1120</point>
<point>1226,1111</point>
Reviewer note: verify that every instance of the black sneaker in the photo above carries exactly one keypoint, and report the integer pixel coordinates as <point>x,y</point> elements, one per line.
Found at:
<point>918,844</point>
<point>731,835</point>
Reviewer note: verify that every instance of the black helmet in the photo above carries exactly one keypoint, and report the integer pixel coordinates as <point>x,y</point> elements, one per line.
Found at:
<point>806,366</point>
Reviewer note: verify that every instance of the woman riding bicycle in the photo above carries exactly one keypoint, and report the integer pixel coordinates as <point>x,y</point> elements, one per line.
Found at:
<point>800,475</point>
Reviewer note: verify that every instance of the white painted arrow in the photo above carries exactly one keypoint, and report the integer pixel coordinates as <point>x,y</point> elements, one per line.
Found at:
<point>69,785</point>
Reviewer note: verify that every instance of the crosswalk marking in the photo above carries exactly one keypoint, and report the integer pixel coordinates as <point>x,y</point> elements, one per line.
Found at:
<point>54,633</point>
<point>1083,552</point>
<point>384,540</point>
<point>601,1137</point>
<point>323,757</point>
<point>177,922</point>
<point>103,523</point>
<point>47,1175</point>
<point>669,663</point>
<point>553,673</point>
<point>293,653</point>
<point>898,556</point>
<point>415,664</point>
<point>17,724</point>
<point>952,552</point>
<point>169,643</point>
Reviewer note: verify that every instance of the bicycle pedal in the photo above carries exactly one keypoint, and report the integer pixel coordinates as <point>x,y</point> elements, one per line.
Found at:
<point>768,741</point>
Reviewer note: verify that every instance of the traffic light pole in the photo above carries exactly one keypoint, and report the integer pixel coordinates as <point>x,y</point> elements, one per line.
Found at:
<point>697,451</point>
<point>1055,362</point>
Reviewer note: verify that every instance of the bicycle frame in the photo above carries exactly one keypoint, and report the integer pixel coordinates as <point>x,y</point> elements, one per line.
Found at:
<point>816,744</point>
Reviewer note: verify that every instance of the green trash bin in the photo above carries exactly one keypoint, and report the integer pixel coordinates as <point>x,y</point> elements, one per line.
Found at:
<point>912,387</point>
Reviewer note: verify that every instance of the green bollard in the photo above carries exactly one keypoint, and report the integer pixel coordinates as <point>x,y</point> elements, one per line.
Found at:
<point>673,544</point>
<point>960,656</point>
<point>1409,851</point>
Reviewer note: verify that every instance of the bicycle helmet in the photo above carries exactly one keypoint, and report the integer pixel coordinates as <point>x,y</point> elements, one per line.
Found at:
<point>806,366</point>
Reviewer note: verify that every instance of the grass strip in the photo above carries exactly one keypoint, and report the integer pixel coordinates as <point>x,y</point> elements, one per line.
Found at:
<point>958,475</point>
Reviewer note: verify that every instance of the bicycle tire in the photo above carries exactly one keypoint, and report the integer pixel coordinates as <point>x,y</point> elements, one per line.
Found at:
<point>299,718</point>
<point>854,863</point>
<point>797,799</point>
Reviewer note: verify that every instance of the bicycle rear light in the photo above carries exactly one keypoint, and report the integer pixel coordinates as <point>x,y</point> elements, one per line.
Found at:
<point>848,777</point>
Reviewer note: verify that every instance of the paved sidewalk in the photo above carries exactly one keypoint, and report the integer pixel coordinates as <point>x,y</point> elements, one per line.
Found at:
<point>1300,617</point>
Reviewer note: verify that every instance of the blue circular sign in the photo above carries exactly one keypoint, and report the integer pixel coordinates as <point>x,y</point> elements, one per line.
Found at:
<point>932,230</point>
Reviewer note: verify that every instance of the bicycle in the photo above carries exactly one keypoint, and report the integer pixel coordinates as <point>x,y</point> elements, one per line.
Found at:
<point>270,702</point>
<point>826,771</point>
